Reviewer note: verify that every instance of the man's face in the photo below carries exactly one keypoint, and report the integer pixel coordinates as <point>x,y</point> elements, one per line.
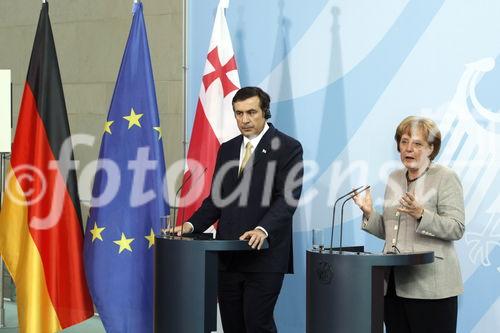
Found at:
<point>249,116</point>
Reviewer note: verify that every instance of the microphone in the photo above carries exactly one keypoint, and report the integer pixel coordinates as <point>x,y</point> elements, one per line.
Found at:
<point>333,217</point>
<point>193,182</point>
<point>342,213</point>
<point>394,246</point>
<point>184,182</point>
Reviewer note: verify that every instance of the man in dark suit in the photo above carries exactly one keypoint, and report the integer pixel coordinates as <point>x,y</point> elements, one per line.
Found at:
<point>255,189</point>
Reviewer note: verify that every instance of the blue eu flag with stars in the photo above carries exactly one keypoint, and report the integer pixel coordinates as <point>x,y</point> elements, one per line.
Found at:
<point>128,195</point>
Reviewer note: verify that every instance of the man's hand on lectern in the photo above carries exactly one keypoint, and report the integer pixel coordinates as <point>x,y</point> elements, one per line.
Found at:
<point>256,238</point>
<point>186,229</point>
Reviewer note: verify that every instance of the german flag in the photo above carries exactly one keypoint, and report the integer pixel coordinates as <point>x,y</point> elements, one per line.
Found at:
<point>41,234</point>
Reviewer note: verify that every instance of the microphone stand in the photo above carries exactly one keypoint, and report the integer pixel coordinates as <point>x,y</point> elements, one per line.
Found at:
<point>342,213</point>
<point>194,182</point>
<point>172,225</point>
<point>3,158</point>
<point>333,216</point>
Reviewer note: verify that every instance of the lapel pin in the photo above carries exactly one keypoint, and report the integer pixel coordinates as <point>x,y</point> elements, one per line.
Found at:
<point>264,151</point>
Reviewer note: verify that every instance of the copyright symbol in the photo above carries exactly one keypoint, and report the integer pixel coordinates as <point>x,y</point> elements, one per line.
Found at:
<point>34,182</point>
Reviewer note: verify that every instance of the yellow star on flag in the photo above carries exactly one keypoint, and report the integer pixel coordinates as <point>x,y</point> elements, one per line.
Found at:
<point>158,129</point>
<point>107,126</point>
<point>133,118</point>
<point>150,238</point>
<point>124,243</point>
<point>96,232</point>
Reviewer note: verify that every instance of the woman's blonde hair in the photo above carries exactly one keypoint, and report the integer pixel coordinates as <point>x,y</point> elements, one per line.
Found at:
<point>428,127</point>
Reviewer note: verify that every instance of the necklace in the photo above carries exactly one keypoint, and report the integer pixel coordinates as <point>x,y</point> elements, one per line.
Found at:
<point>408,180</point>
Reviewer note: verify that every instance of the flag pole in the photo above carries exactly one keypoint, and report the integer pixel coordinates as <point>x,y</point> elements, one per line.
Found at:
<point>3,158</point>
<point>185,71</point>
<point>2,176</point>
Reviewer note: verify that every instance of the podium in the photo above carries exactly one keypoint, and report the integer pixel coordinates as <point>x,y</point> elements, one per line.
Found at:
<point>186,282</point>
<point>345,290</point>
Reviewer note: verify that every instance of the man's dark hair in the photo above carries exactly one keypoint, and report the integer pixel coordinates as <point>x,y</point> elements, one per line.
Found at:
<point>249,92</point>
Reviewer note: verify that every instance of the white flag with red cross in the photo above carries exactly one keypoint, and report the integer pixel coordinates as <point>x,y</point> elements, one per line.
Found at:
<point>214,121</point>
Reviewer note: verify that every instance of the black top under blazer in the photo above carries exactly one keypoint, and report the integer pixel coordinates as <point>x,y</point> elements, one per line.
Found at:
<point>269,209</point>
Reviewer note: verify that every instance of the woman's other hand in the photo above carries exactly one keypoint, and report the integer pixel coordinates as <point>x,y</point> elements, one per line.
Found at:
<point>364,203</point>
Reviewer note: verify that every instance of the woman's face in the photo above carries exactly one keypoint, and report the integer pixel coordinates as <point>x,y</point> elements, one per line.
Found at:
<point>415,151</point>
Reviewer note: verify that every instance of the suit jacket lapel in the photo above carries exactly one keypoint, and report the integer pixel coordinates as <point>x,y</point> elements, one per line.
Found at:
<point>264,147</point>
<point>235,152</point>
<point>261,152</point>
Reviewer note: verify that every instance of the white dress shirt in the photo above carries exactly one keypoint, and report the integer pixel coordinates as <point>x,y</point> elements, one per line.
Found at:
<point>255,141</point>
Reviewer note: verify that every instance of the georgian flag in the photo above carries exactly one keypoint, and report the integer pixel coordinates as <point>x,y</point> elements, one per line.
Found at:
<point>214,121</point>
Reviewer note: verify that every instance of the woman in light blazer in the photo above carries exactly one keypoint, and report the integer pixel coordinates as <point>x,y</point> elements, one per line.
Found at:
<point>423,211</point>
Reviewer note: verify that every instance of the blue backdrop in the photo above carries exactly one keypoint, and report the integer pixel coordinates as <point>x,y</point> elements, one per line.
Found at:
<point>342,74</point>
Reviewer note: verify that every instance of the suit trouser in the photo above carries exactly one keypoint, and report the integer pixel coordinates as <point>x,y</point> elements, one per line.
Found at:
<point>247,301</point>
<point>410,315</point>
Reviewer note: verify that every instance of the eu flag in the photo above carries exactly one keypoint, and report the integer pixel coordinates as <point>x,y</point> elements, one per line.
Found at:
<point>128,195</point>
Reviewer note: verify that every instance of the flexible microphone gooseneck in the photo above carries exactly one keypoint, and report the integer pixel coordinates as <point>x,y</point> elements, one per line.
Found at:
<point>184,182</point>
<point>333,216</point>
<point>342,213</point>
<point>194,182</point>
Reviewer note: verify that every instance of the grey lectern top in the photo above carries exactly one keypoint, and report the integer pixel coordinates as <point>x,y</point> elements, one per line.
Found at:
<point>345,290</point>
<point>186,282</point>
